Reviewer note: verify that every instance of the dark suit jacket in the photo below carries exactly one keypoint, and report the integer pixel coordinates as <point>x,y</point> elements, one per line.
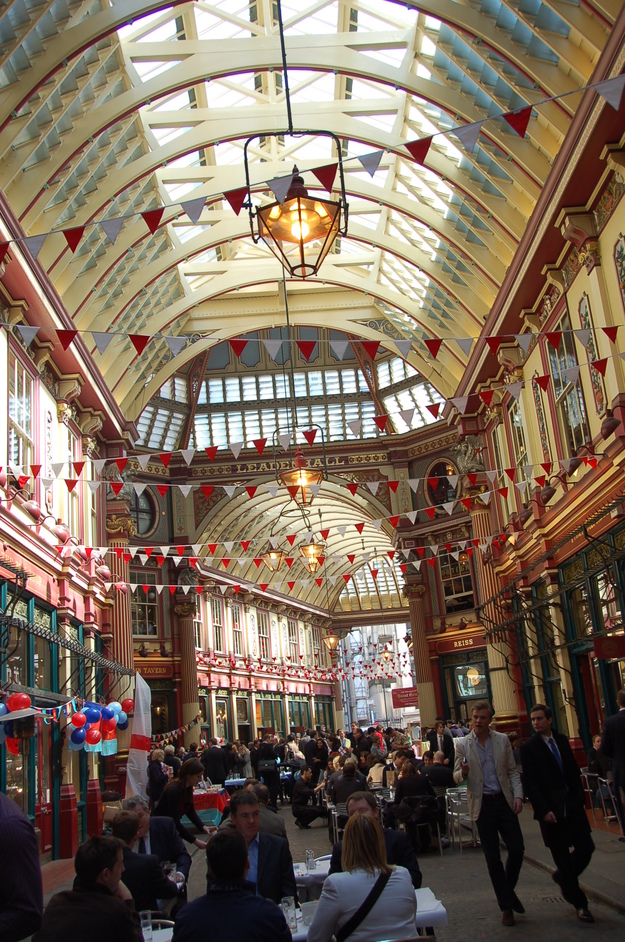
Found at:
<point>93,914</point>
<point>230,912</point>
<point>439,775</point>
<point>166,844</point>
<point>215,764</point>
<point>275,877</point>
<point>550,788</point>
<point>144,878</point>
<point>399,852</point>
<point>448,744</point>
<point>613,746</point>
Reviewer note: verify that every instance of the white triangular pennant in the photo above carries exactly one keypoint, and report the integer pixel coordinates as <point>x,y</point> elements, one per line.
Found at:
<point>460,403</point>
<point>223,589</point>
<point>197,549</point>
<point>468,134</point>
<point>175,344</point>
<point>514,389</point>
<point>524,341</point>
<point>314,489</point>
<point>142,558</point>
<point>229,489</point>
<point>48,482</point>
<point>235,448</point>
<point>434,548</point>
<point>228,544</point>
<point>485,497</point>
<point>571,373</point>
<point>133,550</point>
<point>98,465</point>
<point>274,541</point>
<point>164,550</point>
<point>93,486</point>
<point>522,486</point>
<point>112,227</point>
<point>583,336</point>
<point>188,454</point>
<point>27,333</point>
<point>407,415</point>
<point>341,530</point>
<point>101,340</point>
<point>355,427</point>
<point>34,244</point>
<point>455,554</point>
<point>339,348</point>
<point>465,344</point>
<point>453,480</point>
<point>285,440</point>
<point>612,90</point>
<point>279,186</point>
<point>159,589</point>
<point>193,208</point>
<point>371,162</point>
<point>57,467</point>
<point>185,489</point>
<point>378,523</point>
<point>403,347</point>
<point>414,484</point>
<point>272,347</point>
<point>139,489</point>
<point>492,476</point>
<point>449,506</point>
<point>272,488</point>
<point>143,461</point>
<point>412,515</point>
<point>373,486</point>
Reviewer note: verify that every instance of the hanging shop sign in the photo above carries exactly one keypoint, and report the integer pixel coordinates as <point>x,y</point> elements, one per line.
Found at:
<point>156,670</point>
<point>404,697</point>
<point>449,645</point>
<point>610,647</point>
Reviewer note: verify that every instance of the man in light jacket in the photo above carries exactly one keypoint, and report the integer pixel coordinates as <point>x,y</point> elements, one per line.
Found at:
<point>484,760</point>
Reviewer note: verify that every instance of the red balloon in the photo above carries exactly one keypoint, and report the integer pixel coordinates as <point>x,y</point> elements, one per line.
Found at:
<point>128,705</point>
<point>18,701</point>
<point>93,736</point>
<point>108,726</point>
<point>13,745</point>
<point>78,720</point>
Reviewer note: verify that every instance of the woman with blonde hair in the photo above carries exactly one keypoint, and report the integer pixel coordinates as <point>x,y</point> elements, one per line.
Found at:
<point>369,900</point>
<point>158,776</point>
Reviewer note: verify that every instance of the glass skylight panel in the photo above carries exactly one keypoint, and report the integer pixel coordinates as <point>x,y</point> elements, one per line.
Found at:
<point>312,86</point>
<point>233,389</point>
<point>250,391</point>
<point>348,381</point>
<point>165,135</point>
<point>149,70</point>
<point>235,427</point>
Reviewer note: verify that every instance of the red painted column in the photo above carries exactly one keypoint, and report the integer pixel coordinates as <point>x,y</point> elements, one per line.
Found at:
<point>94,807</point>
<point>68,822</point>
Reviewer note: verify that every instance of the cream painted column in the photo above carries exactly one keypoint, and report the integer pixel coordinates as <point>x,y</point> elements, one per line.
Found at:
<point>415,593</point>
<point>119,528</point>
<point>184,612</point>
<point>502,685</point>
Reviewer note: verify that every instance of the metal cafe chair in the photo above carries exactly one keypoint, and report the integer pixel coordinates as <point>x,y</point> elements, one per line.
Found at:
<point>589,790</point>
<point>458,817</point>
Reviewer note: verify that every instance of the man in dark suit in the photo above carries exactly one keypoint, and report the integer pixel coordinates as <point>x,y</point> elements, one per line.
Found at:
<point>399,850</point>
<point>441,740</point>
<point>142,872</point>
<point>271,864</point>
<point>553,784</point>
<point>613,746</point>
<point>215,763</point>
<point>159,836</point>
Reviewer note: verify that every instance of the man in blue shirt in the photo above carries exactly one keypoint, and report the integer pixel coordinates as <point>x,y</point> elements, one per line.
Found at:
<point>231,907</point>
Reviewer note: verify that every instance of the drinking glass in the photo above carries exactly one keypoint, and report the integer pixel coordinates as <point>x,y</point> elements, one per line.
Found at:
<point>288,908</point>
<point>311,863</point>
<point>146,924</point>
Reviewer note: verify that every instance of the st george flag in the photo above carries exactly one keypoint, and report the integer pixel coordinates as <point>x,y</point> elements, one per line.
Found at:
<point>140,741</point>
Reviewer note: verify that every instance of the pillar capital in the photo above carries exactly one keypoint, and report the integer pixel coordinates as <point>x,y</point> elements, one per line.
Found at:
<point>184,609</point>
<point>413,590</point>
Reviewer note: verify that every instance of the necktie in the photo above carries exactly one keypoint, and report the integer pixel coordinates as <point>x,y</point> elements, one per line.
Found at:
<point>142,845</point>
<point>556,753</point>
<point>440,744</point>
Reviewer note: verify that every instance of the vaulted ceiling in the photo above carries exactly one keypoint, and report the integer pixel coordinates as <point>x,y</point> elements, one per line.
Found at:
<point>108,110</point>
<point>112,109</point>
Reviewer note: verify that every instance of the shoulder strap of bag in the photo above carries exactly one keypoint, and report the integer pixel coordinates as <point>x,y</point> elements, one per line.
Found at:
<point>365,908</point>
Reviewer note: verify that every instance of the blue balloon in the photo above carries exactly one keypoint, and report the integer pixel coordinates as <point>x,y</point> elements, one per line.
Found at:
<point>123,726</point>
<point>93,715</point>
<point>115,707</point>
<point>122,718</point>
<point>78,736</point>
<point>107,713</point>
<point>9,729</point>
<point>4,709</point>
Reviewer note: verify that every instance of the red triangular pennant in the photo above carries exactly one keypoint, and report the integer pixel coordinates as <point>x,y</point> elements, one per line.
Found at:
<point>211,452</point>
<point>351,557</point>
<point>540,480</point>
<point>259,444</point>
<point>78,466</point>
<point>542,381</point>
<point>291,538</point>
<point>121,464</point>
<point>251,490</point>
<point>554,337</point>
<point>165,457</point>
<point>503,491</point>
<point>162,489</point>
<point>226,562</point>
<point>486,395</point>
<point>71,483</point>
<point>152,218</point>
<point>73,236</point>
<point>510,473</point>
<point>306,348</point>
<point>433,345</point>
<point>236,198</point>
<point>494,343</point>
<point>4,248</point>
<point>394,520</point>
<point>326,176</point>
<point>35,469</point>
<point>600,365</point>
<point>610,333</point>
<point>310,435</point>
<point>371,347</point>
<point>466,502</point>
<point>381,421</point>
<point>546,466</point>
<point>324,534</point>
<point>291,585</point>
<point>245,544</point>
<point>66,337</point>
<point>160,559</point>
<point>139,342</point>
<point>419,149</point>
<point>430,512</point>
<point>434,409</point>
<point>238,346</point>
<point>392,486</point>
<point>207,489</point>
<point>293,489</point>
<point>359,526</point>
<point>347,577</point>
<point>212,548</point>
<point>264,586</point>
<point>518,120</point>
<point>116,486</point>
<point>352,488</point>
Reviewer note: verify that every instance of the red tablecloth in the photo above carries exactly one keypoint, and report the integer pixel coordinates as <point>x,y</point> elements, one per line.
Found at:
<point>203,800</point>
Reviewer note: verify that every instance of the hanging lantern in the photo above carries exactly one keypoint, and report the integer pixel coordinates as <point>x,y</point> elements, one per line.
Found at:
<point>312,555</point>
<point>332,643</point>
<point>273,558</point>
<point>299,479</point>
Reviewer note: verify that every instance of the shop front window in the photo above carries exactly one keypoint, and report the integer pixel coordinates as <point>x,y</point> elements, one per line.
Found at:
<point>221,718</point>
<point>20,453</point>
<point>456,582</point>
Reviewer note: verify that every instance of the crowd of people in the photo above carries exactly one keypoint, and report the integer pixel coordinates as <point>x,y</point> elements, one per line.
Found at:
<point>144,864</point>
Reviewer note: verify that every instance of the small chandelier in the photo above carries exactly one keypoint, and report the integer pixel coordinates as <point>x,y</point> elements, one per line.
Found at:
<point>312,555</point>
<point>300,480</point>
<point>332,643</point>
<point>301,230</point>
<point>273,558</point>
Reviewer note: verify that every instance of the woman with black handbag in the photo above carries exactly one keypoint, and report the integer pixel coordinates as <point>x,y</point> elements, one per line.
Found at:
<point>369,900</point>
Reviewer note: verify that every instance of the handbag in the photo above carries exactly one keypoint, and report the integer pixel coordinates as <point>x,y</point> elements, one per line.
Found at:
<point>364,909</point>
<point>266,765</point>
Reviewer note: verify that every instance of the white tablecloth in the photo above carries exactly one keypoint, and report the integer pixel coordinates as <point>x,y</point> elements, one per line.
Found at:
<point>304,877</point>
<point>162,935</point>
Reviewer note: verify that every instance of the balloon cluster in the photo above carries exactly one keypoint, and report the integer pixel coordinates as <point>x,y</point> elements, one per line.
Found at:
<point>95,723</point>
<point>17,701</point>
